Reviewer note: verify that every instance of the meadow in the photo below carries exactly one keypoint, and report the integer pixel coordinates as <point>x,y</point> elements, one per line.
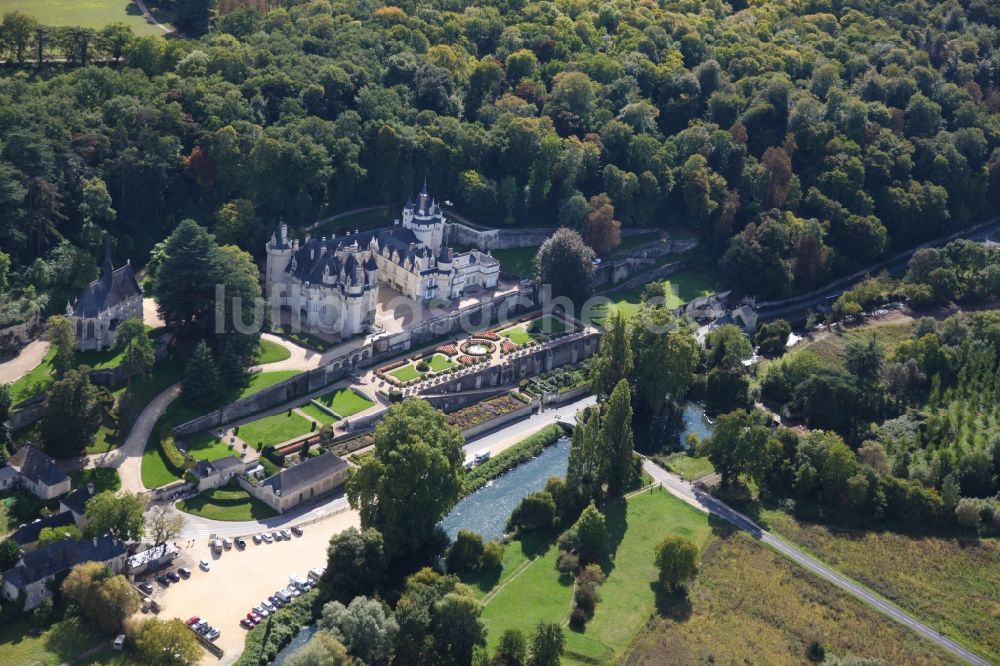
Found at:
<point>87,13</point>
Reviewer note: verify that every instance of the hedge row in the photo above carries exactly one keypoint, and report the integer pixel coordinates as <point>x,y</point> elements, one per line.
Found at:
<point>264,641</point>
<point>510,458</point>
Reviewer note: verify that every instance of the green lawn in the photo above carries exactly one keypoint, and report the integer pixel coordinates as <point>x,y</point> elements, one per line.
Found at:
<point>626,599</point>
<point>107,439</point>
<point>516,260</point>
<point>60,643</point>
<point>517,334</point>
<point>104,478</point>
<point>275,429</point>
<point>227,504</point>
<point>38,379</point>
<point>6,522</point>
<point>206,446</point>
<point>681,287</point>
<point>317,413</point>
<point>547,325</point>
<point>155,472</point>
<point>519,551</point>
<point>87,13</point>
<point>632,242</point>
<point>440,362</point>
<point>406,373</point>
<point>689,467</point>
<point>368,219</point>
<point>345,402</point>
<point>271,352</point>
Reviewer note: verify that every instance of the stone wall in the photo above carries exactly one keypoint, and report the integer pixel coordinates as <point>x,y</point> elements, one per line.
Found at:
<point>499,421</point>
<point>16,336</point>
<point>641,259</point>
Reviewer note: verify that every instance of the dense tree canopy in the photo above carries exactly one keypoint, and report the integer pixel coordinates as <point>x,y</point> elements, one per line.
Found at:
<point>802,139</point>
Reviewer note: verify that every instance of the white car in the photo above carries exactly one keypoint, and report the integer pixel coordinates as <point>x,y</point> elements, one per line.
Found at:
<point>267,537</point>
<point>204,565</point>
<point>227,543</point>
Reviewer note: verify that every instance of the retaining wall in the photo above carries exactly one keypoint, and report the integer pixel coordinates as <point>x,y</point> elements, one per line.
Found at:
<point>498,421</point>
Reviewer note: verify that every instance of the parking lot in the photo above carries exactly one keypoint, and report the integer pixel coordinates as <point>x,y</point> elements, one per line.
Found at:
<point>238,580</point>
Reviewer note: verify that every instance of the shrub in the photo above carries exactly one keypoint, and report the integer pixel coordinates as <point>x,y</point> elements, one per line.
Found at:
<point>423,367</point>
<point>492,556</point>
<point>510,458</point>
<point>586,599</point>
<point>536,511</point>
<point>568,563</point>
<point>174,458</point>
<point>465,553</point>
<point>264,641</point>
<point>577,619</point>
<point>591,575</point>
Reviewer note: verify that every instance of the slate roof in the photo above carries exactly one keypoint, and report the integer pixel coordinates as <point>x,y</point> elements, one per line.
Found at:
<point>7,473</point>
<point>206,468</point>
<point>304,475</point>
<point>76,500</point>
<point>61,556</point>
<point>106,292</point>
<point>37,467</point>
<point>26,534</point>
<point>311,270</point>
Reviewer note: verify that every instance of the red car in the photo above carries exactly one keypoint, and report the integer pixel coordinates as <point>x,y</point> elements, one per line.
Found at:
<point>253,617</point>
<point>192,620</point>
<point>247,624</point>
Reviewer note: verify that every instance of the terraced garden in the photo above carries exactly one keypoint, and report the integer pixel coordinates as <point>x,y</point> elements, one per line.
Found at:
<point>345,402</point>
<point>274,429</point>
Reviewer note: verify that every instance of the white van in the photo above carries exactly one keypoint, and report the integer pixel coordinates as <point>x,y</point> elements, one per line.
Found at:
<point>284,596</point>
<point>316,573</point>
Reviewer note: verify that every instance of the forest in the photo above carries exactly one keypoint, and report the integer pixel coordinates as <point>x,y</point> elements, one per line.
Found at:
<point>803,138</point>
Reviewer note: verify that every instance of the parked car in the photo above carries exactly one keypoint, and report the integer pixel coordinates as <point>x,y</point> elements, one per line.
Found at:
<point>213,634</point>
<point>283,596</point>
<point>297,530</point>
<point>257,539</point>
<point>184,571</point>
<point>203,565</point>
<point>286,534</point>
<point>247,624</point>
<point>268,606</point>
<point>481,457</point>
<point>316,573</point>
<point>227,543</point>
<point>192,620</point>
<point>294,591</point>
<point>217,546</point>
<point>241,543</point>
<point>267,537</point>
<point>163,580</point>
<point>276,535</point>
<point>260,610</point>
<point>145,587</point>
<point>275,601</point>
<point>253,616</point>
<point>198,625</point>
<point>174,576</point>
<point>205,628</point>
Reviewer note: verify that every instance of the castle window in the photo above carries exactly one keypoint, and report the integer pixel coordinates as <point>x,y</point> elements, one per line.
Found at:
<point>90,330</point>
<point>79,328</point>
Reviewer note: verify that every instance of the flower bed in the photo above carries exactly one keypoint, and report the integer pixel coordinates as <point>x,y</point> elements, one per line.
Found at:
<point>473,415</point>
<point>486,335</point>
<point>469,360</point>
<point>289,449</point>
<point>447,350</point>
<point>391,366</point>
<point>507,346</point>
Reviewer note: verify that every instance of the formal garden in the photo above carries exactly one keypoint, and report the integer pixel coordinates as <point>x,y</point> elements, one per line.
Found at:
<point>344,402</point>
<point>227,503</point>
<point>481,412</point>
<point>274,429</point>
<point>534,330</point>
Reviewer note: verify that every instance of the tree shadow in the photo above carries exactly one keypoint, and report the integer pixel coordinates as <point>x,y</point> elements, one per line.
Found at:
<point>616,519</point>
<point>675,605</point>
<point>720,526</point>
<point>64,639</point>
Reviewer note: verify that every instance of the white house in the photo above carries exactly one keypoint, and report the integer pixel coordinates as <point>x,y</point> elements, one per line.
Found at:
<point>35,472</point>
<point>34,571</point>
<point>215,473</point>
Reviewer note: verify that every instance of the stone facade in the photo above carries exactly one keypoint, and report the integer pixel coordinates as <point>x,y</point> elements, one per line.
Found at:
<point>332,284</point>
<point>104,304</point>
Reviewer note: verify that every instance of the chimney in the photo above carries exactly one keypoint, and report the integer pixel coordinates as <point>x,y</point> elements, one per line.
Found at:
<point>90,487</point>
<point>412,245</point>
<point>308,236</point>
<point>322,250</point>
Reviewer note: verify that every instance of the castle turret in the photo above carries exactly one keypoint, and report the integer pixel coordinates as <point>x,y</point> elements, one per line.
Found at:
<point>279,255</point>
<point>425,220</point>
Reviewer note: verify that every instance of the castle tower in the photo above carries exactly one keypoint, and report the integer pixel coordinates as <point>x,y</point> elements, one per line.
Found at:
<point>279,253</point>
<point>425,220</point>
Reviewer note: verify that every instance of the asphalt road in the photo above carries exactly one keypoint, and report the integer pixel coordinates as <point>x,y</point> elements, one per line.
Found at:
<point>710,504</point>
<point>895,265</point>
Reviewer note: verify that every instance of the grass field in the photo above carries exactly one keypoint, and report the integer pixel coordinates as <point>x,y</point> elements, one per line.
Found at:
<point>345,402</point>
<point>87,13</point>
<point>368,219</point>
<point>155,472</point>
<point>275,429</point>
<point>60,643</point>
<point>407,372</point>
<point>536,329</point>
<point>516,260</point>
<point>630,243</point>
<point>951,584</point>
<point>749,605</point>
<point>226,504</point>
<point>517,334</point>
<point>440,362</point>
<point>206,446</point>
<point>317,413</point>
<point>627,598</point>
<point>689,467</point>
<point>681,287</point>
<point>271,352</point>
<point>38,379</point>
<point>6,521</point>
